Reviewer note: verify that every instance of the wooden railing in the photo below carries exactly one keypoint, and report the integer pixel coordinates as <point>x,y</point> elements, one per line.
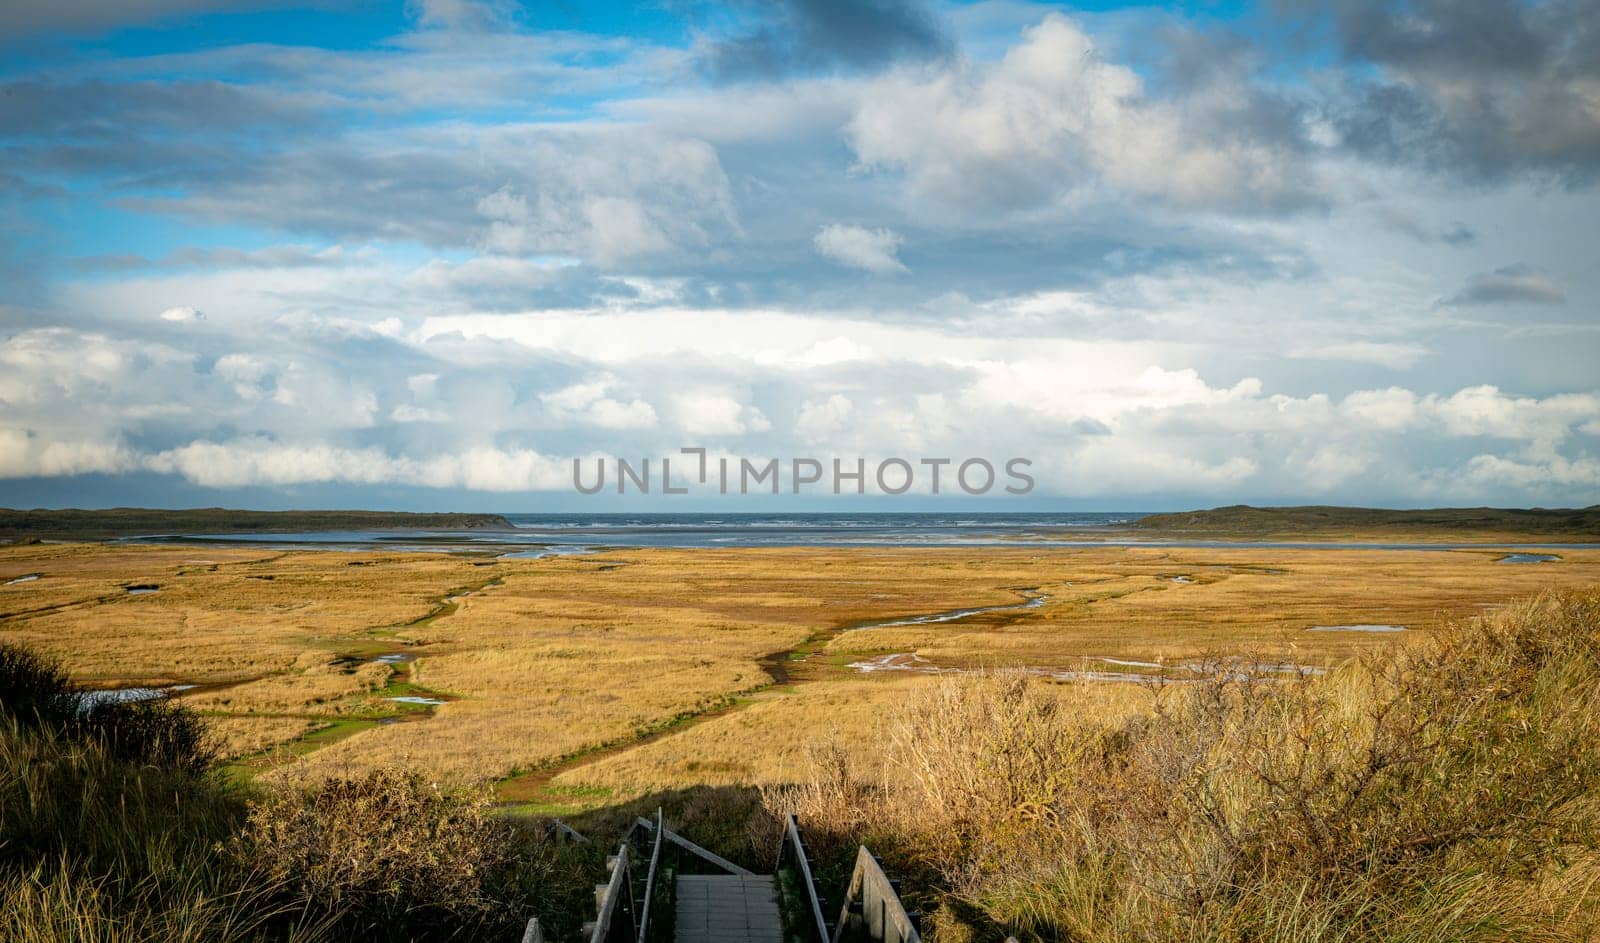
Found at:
<point>792,853</point>
<point>626,904</point>
<point>872,906</point>
<point>871,910</point>
<point>621,916</point>
<point>534,933</point>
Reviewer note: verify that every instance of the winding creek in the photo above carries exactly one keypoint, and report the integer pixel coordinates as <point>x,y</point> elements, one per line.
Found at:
<point>1032,599</point>
<point>417,703</point>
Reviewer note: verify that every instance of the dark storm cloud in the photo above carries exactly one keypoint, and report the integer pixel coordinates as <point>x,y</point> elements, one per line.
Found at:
<point>97,108</point>
<point>1408,223</point>
<point>1482,88</point>
<point>801,36</point>
<point>1513,284</point>
<point>30,17</point>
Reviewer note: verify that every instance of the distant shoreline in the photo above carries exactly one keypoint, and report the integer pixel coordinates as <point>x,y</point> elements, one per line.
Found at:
<point>76,524</point>
<point>1326,522</point>
<point>1238,524</point>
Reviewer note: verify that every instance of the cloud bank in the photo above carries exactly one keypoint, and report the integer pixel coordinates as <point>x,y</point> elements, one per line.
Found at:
<point>1169,260</point>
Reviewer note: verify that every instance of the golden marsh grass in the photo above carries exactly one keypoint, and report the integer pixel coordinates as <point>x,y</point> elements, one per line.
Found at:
<point>553,658</point>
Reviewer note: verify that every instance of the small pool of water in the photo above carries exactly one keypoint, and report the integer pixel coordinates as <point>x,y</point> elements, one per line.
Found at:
<point>916,664</point>
<point>1528,558</point>
<point>89,700</point>
<point>1359,627</point>
<point>542,552</point>
<point>396,658</point>
<point>23,579</point>
<point>415,699</point>
<point>143,590</point>
<point>1034,600</point>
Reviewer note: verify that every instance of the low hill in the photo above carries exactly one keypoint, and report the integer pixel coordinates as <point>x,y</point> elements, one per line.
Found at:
<point>1574,524</point>
<point>124,522</point>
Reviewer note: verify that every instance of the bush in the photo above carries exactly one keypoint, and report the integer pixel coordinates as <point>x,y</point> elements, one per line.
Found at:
<point>1448,789</point>
<point>399,857</point>
<point>114,828</point>
<point>94,847</point>
<point>36,691</point>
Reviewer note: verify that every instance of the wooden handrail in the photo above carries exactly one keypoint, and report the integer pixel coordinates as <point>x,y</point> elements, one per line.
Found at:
<point>650,875</point>
<point>885,917</point>
<point>792,844</point>
<point>606,906</point>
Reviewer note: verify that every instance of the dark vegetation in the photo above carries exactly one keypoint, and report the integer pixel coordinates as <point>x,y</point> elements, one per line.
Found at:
<point>115,826</point>
<point>1572,524</point>
<point>126,522</point>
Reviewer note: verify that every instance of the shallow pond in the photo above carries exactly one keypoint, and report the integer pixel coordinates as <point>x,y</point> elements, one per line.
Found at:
<point>1528,558</point>
<point>89,700</point>
<point>23,579</point>
<point>1359,627</point>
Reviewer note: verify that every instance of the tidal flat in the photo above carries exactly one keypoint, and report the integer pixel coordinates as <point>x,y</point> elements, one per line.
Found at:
<point>603,676</point>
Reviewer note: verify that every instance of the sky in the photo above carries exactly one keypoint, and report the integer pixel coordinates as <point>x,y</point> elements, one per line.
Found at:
<point>424,255</point>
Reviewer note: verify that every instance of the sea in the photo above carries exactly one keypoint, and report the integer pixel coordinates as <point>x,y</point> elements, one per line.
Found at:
<point>537,535</point>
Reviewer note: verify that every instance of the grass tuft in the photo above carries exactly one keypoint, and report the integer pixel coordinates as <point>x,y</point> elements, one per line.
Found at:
<point>1447,789</point>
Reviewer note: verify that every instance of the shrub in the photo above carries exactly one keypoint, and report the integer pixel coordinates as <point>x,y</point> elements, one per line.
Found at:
<point>113,828</point>
<point>34,688</point>
<point>398,856</point>
<point>36,691</point>
<point>95,847</point>
<point>1447,789</point>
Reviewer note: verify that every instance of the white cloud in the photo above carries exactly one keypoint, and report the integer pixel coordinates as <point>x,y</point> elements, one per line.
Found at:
<point>406,412</point>
<point>588,404</point>
<point>239,463</point>
<point>1390,409</point>
<point>1486,411</point>
<point>474,15</point>
<point>609,197</point>
<point>820,419</point>
<point>26,456</point>
<point>181,314</point>
<point>1494,469</point>
<point>1397,355</point>
<point>872,250</point>
<point>716,414</point>
<point>1054,115</point>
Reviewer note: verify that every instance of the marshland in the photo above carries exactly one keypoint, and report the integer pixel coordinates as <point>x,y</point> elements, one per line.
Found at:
<point>1095,743</point>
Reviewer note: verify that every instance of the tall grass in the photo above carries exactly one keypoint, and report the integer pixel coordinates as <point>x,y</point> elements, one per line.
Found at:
<point>401,858</point>
<point>114,827</point>
<point>1445,790</point>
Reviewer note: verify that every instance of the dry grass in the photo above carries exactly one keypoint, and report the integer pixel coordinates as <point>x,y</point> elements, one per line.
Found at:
<point>1444,790</point>
<point>220,614</point>
<point>117,839</point>
<point>238,737</point>
<point>775,739</point>
<point>563,655</point>
<point>318,682</point>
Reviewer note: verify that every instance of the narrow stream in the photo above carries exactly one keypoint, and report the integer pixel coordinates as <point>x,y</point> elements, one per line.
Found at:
<point>1033,599</point>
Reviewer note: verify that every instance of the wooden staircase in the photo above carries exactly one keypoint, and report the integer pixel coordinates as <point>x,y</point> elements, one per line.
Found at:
<point>656,894</point>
